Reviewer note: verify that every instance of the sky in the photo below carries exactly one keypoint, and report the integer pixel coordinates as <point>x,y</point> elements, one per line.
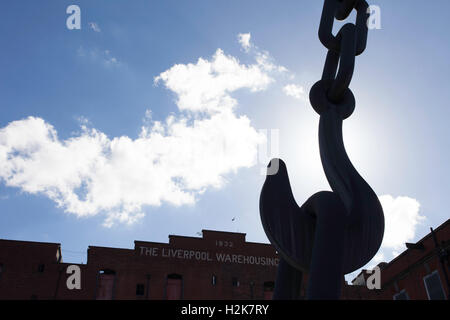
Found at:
<point>159,117</point>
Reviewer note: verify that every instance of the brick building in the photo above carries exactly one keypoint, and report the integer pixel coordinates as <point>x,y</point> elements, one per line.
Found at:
<point>218,265</point>
<point>421,272</point>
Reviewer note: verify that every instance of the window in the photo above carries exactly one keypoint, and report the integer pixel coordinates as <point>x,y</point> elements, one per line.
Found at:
<point>105,287</point>
<point>214,280</point>
<point>268,290</point>
<point>41,268</point>
<point>235,282</point>
<point>402,295</point>
<point>433,286</point>
<point>174,287</point>
<point>140,289</point>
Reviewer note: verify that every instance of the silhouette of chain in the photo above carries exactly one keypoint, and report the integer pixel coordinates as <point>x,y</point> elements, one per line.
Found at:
<point>349,42</point>
<point>334,232</point>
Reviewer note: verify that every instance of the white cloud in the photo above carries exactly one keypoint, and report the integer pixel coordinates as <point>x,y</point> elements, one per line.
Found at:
<point>265,61</point>
<point>401,219</point>
<point>88,174</point>
<point>205,86</point>
<point>263,58</point>
<point>244,40</point>
<point>172,161</point>
<point>94,26</point>
<point>295,91</point>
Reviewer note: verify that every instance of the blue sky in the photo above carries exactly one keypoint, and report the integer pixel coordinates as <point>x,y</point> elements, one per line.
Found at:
<point>109,101</point>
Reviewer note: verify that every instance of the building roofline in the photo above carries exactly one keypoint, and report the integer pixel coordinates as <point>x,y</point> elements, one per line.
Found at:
<point>146,241</point>
<point>32,242</point>
<point>260,243</point>
<point>198,238</point>
<point>218,231</point>
<point>112,248</point>
<point>202,237</point>
<point>178,236</point>
<point>419,241</point>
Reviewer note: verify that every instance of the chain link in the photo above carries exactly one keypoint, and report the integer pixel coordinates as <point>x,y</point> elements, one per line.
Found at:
<point>349,42</point>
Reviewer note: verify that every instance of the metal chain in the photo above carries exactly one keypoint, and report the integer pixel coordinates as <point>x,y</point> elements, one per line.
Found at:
<point>350,219</point>
<point>349,42</point>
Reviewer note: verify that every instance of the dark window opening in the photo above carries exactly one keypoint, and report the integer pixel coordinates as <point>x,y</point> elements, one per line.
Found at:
<point>174,276</point>
<point>433,285</point>
<point>106,279</point>
<point>33,297</point>
<point>41,268</point>
<point>268,290</point>
<point>174,287</point>
<point>235,282</point>
<point>214,280</point>
<point>140,289</point>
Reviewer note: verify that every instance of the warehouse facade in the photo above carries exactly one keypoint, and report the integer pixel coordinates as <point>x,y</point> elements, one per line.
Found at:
<point>219,265</point>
